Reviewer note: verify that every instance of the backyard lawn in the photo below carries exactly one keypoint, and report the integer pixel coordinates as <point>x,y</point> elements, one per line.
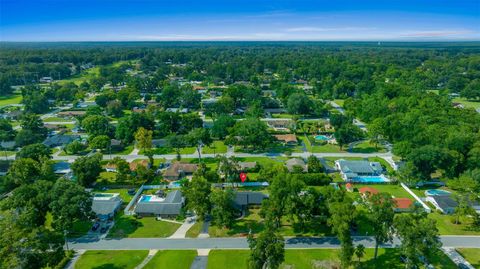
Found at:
<point>129,226</point>
<point>111,259</point>
<point>472,255</point>
<point>172,259</point>
<point>216,147</point>
<point>122,192</point>
<point>317,148</point>
<point>395,190</point>
<point>319,258</point>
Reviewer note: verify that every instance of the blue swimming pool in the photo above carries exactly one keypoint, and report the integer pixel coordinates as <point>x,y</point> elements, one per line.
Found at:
<point>146,198</point>
<point>371,179</point>
<point>322,137</point>
<point>435,192</point>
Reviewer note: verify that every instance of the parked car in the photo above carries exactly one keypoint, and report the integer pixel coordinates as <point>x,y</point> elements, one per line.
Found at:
<point>95,226</point>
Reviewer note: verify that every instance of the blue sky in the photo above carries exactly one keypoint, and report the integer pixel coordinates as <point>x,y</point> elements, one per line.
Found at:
<point>159,20</point>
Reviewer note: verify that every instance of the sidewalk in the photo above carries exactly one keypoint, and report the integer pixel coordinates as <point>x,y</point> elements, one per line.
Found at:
<point>456,257</point>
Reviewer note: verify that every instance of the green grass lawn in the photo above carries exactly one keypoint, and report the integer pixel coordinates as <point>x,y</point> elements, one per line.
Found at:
<point>314,258</point>
<point>80,228</point>
<point>446,226</point>
<point>317,148</point>
<point>240,227</point>
<point>472,255</point>
<point>129,226</point>
<point>194,231</point>
<point>467,103</point>
<point>172,259</point>
<point>10,99</point>
<point>395,190</point>
<point>367,147</point>
<point>282,115</point>
<point>217,147</point>
<point>52,119</point>
<point>339,102</point>
<point>169,150</point>
<point>111,259</point>
<point>122,192</point>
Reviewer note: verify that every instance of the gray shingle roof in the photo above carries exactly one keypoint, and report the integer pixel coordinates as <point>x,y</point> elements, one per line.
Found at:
<point>244,198</point>
<point>105,207</point>
<point>60,140</point>
<point>170,206</point>
<point>360,167</point>
<point>445,201</point>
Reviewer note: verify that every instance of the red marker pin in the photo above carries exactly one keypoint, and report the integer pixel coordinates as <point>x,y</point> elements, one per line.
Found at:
<point>243,177</point>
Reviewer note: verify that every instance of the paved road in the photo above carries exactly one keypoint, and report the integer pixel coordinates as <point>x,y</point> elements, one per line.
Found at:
<point>241,243</point>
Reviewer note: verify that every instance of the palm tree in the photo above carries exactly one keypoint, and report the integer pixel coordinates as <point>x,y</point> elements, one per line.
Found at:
<point>360,252</point>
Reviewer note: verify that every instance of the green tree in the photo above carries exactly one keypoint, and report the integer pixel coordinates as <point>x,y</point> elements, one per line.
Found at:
<point>253,133</point>
<point>267,250</point>
<point>228,167</point>
<point>74,147</point>
<point>197,193</point>
<point>418,235</point>
<point>35,152</point>
<point>87,169</point>
<point>342,214</point>
<point>223,212</point>
<point>6,130</point>
<point>380,213</point>
<point>314,165</point>
<point>299,103</point>
<point>123,169</point>
<point>221,126</point>
<point>101,142</point>
<point>143,137</point>
<point>360,252</point>
<point>71,203</point>
<point>96,125</point>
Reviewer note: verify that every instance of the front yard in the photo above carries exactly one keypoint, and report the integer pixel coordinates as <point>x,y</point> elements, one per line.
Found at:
<point>129,226</point>
<point>172,259</point>
<point>320,258</point>
<point>472,255</point>
<point>112,259</point>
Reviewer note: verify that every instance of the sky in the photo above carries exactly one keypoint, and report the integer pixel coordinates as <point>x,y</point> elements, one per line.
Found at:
<point>236,20</point>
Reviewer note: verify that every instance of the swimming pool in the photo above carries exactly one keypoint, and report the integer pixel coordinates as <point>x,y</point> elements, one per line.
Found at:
<point>371,179</point>
<point>151,198</point>
<point>322,137</point>
<point>435,192</point>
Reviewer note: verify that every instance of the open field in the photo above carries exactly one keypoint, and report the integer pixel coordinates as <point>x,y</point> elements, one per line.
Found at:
<point>111,259</point>
<point>217,147</point>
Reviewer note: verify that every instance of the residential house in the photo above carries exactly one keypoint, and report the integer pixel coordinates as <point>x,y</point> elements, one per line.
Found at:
<point>350,170</point>
<point>105,205</point>
<point>179,170</point>
<point>159,142</point>
<point>246,166</point>
<point>403,204</point>
<point>13,115</point>
<point>279,124</point>
<point>135,164</point>
<point>367,191</point>
<point>244,199</point>
<point>60,140</point>
<point>296,162</point>
<point>71,113</point>
<point>46,80</point>
<point>443,203</point>
<point>156,205</point>
<point>177,110</point>
<point>287,139</point>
